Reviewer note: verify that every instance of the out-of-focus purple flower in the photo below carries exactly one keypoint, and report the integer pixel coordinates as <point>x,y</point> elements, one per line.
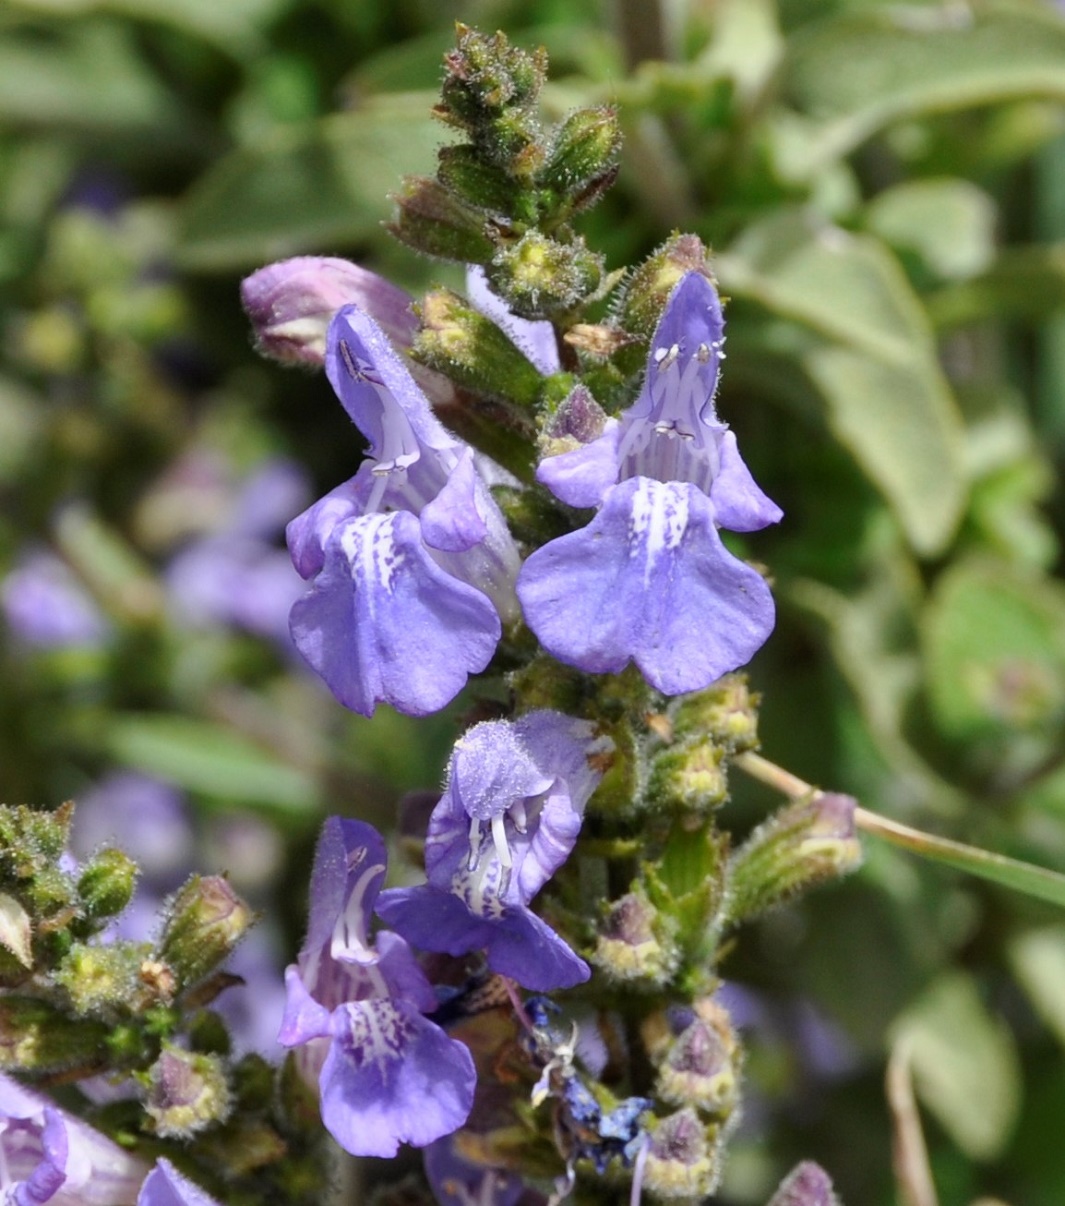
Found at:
<point>535,339</point>
<point>235,574</point>
<point>649,578</point>
<point>47,1156</point>
<point>146,817</point>
<point>387,1075</point>
<point>806,1185</point>
<point>506,822</point>
<point>413,567</point>
<point>45,605</point>
<point>291,304</point>
<point>254,1009</point>
<point>165,1186</point>
<point>458,1182</point>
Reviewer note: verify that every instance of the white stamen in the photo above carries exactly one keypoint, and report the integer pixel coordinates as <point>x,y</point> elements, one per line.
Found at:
<point>475,845</point>
<point>499,837</point>
<point>519,816</point>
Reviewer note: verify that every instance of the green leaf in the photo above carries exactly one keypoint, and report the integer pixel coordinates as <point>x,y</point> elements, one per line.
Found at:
<point>233,25</point>
<point>964,1064</point>
<point>307,186</point>
<point>1027,282</point>
<point>198,756</point>
<point>861,71</point>
<point>994,642</point>
<point>1038,961</point>
<point>89,76</point>
<point>948,224</point>
<point>873,361</point>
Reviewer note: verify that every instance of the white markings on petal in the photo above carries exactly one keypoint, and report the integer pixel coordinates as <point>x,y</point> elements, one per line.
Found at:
<point>350,939</point>
<point>378,1032</point>
<point>657,523</point>
<point>371,551</point>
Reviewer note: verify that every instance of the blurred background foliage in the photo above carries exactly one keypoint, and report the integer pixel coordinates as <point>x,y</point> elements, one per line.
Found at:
<point>884,187</point>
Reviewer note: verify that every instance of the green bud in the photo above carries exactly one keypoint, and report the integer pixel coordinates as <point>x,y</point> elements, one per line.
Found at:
<point>37,1037</point>
<point>188,1092</point>
<point>683,1160</point>
<point>432,219</point>
<point>460,341</point>
<point>802,845</point>
<point>701,1065</point>
<point>653,281</point>
<point>207,920</point>
<point>30,838</point>
<point>726,713</point>
<point>636,943</point>
<point>106,884</point>
<point>99,979</point>
<point>583,160</point>
<point>485,186</point>
<point>539,277</point>
<point>689,777</point>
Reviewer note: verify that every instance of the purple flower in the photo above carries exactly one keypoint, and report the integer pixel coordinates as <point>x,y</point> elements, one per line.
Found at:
<point>48,1156</point>
<point>46,605</point>
<point>806,1185</point>
<point>506,822</point>
<point>649,578</point>
<point>458,1182</point>
<point>412,563</point>
<point>387,1075</point>
<point>165,1186</point>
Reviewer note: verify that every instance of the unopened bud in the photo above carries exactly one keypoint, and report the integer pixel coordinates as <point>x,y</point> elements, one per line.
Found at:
<point>806,1185</point>
<point>291,303</point>
<point>434,220</point>
<point>701,1066</point>
<point>460,341</point>
<point>578,420</point>
<point>804,844</point>
<point>207,920</point>
<point>682,1161</point>
<point>36,1037</point>
<point>106,884</point>
<point>689,777</point>
<point>727,713</point>
<point>98,978</point>
<point>653,281</point>
<point>15,931</point>
<point>188,1092</point>
<point>583,160</point>
<point>636,943</point>
<point>486,186</point>
<point>539,277</point>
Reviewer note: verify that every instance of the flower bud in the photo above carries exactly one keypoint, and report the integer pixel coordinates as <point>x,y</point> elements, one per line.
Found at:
<point>188,1093</point>
<point>462,170</point>
<point>583,160</point>
<point>98,978</point>
<point>636,943</point>
<point>434,220</point>
<point>106,883</point>
<point>15,932</point>
<point>689,777</point>
<point>291,303</point>
<point>804,844</point>
<point>806,1185</point>
<point>653,281</point>
<point>578,420</point>
<point>36,1037</point>
<point>726,713</point>
<point>539,277</point>
<point>207,920</point>
<point>460,341</point>
<point>701,1066</point>
<point>682,1161</point>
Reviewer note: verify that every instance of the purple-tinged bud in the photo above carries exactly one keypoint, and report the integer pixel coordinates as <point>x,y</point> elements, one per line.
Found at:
<point>806,1185</point>
<point>636,944</point>
<point>578,420</point>
<point>701,1067</point>
<point>802,845</point>
<point>437,222</point>
<point>291,304</point>
<point>188,1092</point>
<point>207,920</point>
<point>682,1161</point>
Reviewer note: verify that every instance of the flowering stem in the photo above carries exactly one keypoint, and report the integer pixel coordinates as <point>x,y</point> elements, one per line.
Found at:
<point>1010,872</point>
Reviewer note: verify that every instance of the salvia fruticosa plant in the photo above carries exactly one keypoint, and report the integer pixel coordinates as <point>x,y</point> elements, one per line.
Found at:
<point>530,984</point>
